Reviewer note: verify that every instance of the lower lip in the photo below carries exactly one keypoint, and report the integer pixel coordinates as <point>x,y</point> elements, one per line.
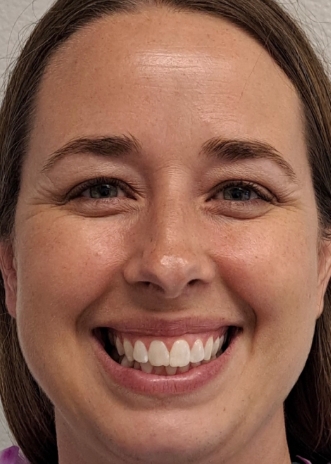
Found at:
<point>159,385</point>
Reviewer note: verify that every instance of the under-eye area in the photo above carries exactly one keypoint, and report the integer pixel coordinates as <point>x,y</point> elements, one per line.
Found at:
<point>165,356</point>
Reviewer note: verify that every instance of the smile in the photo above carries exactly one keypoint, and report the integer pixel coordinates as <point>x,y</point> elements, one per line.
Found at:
<point>164,364</point>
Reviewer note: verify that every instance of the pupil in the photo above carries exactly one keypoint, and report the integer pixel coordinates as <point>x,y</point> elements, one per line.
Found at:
<point>103,191</point>
<point>237,193</point>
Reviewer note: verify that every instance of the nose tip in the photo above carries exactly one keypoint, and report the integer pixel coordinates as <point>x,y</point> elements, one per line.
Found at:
<point>170,275</point>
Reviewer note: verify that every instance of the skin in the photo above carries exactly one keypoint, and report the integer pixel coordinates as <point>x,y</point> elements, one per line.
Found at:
<point>172,80</point>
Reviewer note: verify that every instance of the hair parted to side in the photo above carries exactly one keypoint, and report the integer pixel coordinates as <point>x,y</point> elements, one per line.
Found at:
<point>308,408</point>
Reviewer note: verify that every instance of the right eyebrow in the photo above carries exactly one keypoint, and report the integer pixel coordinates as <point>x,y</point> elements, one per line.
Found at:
<point>109,146</point>
<point>235,150</point>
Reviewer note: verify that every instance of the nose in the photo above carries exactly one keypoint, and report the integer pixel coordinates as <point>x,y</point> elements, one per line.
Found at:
<point>169,253</point>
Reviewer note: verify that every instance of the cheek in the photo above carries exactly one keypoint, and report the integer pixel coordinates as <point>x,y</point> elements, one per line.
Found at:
<point>67,265</point>
<point>272,267</point>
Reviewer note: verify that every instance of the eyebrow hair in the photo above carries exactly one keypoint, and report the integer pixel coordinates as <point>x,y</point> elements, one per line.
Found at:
<point>217,147</point>
<point>235,150</point>
<point>108,146</point>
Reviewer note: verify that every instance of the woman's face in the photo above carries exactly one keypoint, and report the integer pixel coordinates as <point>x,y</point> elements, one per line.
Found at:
<point>166,202</point>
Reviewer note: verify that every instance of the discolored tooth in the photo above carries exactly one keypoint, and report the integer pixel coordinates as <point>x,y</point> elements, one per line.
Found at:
<point>159,370</point>
<point>146,367</point>
<point>136,365</point>
<point>126,363</point>
<point>171,370</point>
<point>216,347</point>
<point>139,352</point>
<point>128,349</point>
<point>180,354</point>
<point>197,351</point>
<point>208,349</point>
<point>119,346</point>
<point>158,354</point>
<point>184,369</point>
<point>196,364</point>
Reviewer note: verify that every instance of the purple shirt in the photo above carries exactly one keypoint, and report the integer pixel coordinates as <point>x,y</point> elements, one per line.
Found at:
<point>12,455</point>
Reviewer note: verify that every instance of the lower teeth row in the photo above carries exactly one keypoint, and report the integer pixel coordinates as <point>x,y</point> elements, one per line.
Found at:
<point>160,370</point>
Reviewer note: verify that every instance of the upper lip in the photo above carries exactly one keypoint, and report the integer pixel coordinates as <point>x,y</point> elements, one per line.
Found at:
<point>168,328</point>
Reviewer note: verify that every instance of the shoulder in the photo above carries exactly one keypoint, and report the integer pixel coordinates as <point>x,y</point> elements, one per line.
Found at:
<point>12,455</point>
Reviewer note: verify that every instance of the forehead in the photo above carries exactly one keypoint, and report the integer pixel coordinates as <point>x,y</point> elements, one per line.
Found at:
<point>168,69</point>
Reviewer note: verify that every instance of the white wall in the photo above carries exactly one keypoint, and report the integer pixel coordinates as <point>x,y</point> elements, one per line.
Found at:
<point>18,16</point>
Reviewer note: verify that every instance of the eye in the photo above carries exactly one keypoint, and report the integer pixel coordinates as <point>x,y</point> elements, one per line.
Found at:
<point>239,194</point>
<point>101,189</point>
<point>242,192</point>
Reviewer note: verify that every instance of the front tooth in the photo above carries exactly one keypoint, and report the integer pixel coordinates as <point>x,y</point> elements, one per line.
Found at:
<point>139,352</point>
<point>196,364</point>
<point>171,370</point>
<point>197,352</point>
<point>180,354</point>
<point>208,349</point>
<point>119,346</point>
<point>216,347</point>
<point>183,369</point>
<point>146,367</point>
<point>158,354</point>
<point>128,349</point>
<point>159,370</point>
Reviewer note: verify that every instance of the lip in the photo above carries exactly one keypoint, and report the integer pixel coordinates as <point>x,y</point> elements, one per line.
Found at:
<point>142,383</point>
<point>166,328</point>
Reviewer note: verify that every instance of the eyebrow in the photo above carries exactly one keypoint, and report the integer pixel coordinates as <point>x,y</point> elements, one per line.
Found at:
<point>109,147</point>
<point>218,148</point>
<point>239,150</point>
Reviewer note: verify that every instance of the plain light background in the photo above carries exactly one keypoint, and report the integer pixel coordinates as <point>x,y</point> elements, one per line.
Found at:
<point>17,18</point>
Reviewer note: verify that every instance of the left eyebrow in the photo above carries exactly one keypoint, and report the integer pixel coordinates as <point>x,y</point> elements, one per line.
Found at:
<point>108,146</point>
<point>237,150</point>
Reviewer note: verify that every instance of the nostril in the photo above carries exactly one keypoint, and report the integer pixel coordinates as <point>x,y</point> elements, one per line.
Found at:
<point>151,285</point>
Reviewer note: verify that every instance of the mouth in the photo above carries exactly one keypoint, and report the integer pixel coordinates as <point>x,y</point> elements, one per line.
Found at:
<point>165,356</point>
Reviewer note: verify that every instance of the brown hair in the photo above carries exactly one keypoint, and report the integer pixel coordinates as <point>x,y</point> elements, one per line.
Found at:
<point>308,407</point>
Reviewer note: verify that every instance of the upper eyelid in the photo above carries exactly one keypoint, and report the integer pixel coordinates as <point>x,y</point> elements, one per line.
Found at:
<point>76,191</point>
<point>259,189</point>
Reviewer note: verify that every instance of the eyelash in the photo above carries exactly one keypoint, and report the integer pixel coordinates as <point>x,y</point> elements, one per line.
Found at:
<point>77,191</point>
<point>261,193</point>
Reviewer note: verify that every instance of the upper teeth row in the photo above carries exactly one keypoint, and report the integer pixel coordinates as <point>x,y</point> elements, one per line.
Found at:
<point>180,354</point>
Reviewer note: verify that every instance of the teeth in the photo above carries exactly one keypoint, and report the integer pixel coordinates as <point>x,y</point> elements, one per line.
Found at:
<point>180,354</point>
<point>216,345</point>
<point>196,364</point>
<point>208,349</point>
<point>119,346</point>
<point>183,369</point>
<point>126,363</point>
<point>157,358</point>
<point>139,352</point>
<point>128,349</point>
<point>197,352</point>
<point>171,370</point>
<point>146,367</point>
<point>158,354</point>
